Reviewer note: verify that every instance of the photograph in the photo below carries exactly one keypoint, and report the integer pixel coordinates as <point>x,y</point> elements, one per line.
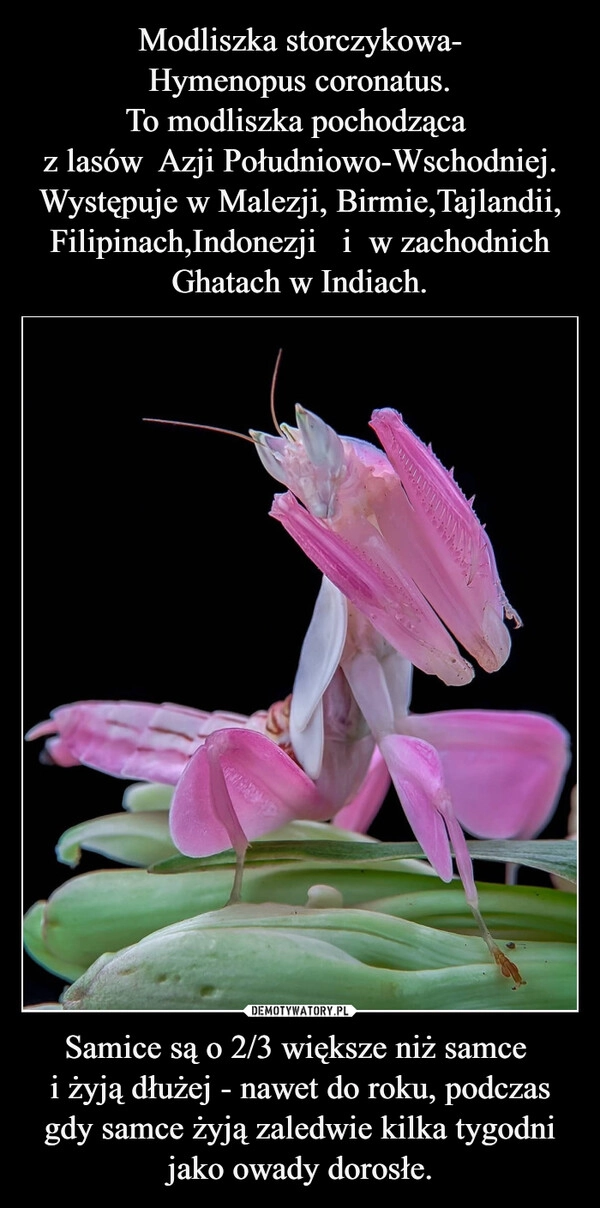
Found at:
<point>300,717</point>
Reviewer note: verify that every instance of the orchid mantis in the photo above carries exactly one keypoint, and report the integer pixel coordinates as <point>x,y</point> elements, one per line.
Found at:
<point>406,565</point>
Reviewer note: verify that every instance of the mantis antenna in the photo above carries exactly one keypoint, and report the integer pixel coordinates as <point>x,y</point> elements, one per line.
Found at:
<point>179,423</point>
<point>273,385</point>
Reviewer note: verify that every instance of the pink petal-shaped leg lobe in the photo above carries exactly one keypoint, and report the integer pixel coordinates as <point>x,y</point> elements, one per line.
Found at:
<point>504,771</point>
<point>261,787</point>
<point>418,774</point>
<point>129,739</point>
<point>418,777</point>
<point>444,545</point>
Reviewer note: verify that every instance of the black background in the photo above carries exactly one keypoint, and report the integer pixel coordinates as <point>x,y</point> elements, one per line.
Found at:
<point>143,543</point>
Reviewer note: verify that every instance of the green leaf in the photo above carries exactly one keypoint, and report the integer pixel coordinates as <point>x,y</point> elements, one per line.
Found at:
<point>512,912</point>
<point>550,855</point>
<point>557,856</point>
<point>135,838</point>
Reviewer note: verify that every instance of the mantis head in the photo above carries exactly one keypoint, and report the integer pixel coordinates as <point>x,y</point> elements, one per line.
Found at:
<point>309,460</point>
